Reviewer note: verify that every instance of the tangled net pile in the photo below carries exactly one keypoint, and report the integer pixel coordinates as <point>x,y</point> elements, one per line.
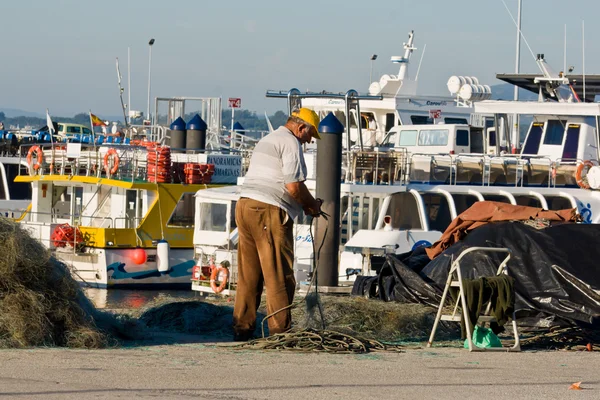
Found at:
<point>40,303</point>
<point>319,341</point>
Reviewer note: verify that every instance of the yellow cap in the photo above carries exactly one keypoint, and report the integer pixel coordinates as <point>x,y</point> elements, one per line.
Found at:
<point>310,117</point>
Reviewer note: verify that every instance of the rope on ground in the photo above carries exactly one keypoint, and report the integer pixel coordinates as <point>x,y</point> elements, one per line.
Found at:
<point>311,340</point>
<point>570,338</point>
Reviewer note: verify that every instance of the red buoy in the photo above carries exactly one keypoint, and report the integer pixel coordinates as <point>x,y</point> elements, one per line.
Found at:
<point>138,256</point>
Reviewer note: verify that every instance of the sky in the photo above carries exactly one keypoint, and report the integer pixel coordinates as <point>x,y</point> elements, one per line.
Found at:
<point>60,54</point>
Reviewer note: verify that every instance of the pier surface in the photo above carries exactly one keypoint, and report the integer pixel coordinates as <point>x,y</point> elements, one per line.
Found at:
<point>200,369</point>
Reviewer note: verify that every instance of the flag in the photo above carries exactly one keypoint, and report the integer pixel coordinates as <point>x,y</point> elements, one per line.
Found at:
<point>96,121</point>
<point>49,123</point>
<point>575,94</point>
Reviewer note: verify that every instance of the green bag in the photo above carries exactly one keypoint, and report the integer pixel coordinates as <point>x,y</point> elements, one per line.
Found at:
<point>484,337</point>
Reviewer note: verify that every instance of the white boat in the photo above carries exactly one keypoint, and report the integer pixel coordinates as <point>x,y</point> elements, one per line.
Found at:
<point>397,198</point>
<point>120,213</point>
<point>394,100</point>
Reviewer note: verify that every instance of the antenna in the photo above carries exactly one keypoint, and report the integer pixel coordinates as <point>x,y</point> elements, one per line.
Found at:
<point>519,29</point>
<point>420,61</point>
<point>121,93</point>
<point>129,83</point>
<point>583,55</point>
<point>565,53</point>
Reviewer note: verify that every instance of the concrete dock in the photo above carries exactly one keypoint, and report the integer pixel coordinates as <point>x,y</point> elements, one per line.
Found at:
<point>201,369</point>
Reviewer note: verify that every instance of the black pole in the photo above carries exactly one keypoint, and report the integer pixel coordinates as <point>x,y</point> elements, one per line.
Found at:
<point>329,176</point>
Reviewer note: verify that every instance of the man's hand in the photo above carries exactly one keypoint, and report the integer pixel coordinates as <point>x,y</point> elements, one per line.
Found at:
<point>315,209</point>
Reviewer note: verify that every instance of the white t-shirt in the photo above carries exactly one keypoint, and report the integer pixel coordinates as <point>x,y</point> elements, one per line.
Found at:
<point>277,159</point>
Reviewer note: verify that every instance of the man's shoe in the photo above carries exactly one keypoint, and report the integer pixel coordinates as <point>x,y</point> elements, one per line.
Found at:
<point>242,336</point>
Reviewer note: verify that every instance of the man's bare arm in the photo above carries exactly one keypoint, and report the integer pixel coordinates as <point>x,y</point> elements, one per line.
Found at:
<point>301,194</point>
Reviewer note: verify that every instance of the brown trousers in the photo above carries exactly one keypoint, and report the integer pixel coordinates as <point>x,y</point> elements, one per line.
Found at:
<point>265,257</point>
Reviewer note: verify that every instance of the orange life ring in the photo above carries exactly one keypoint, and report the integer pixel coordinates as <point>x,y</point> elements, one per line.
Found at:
<point>213,279</point>
<point>580,182</point>
<point>40,157</point>
<point>115,167</point>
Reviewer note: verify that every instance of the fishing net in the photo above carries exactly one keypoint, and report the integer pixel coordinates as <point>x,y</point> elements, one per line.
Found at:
<point>376,320</point>
<point>41,304</point>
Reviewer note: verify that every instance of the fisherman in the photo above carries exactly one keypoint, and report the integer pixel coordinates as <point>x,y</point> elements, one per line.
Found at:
<point>273,194</point>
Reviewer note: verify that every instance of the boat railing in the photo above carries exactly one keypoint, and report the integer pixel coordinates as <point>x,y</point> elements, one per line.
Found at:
<point>246,140</point>
<point>150,133</point>
<point>77,219</point>
<point>376,167</point>
<point>140,162</point>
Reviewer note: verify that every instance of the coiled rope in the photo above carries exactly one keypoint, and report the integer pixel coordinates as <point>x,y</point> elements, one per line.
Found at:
<point>311,340</point>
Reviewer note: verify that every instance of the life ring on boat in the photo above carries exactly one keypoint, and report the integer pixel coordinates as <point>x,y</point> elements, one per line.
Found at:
<point>115,167</point>
<point>39,155</point>
<point>213,279</point>
<point>580,182</point>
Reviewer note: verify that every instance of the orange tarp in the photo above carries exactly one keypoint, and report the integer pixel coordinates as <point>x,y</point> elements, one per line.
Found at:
<point>484,212</point>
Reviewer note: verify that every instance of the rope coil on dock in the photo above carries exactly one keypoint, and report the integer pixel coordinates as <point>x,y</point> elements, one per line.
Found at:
<point>311,340</point>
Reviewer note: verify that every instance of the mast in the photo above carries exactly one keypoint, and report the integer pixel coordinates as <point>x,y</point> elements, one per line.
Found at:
<point>515,131</point>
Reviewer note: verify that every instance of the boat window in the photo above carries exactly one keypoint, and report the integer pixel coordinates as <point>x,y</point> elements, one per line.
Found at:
<point>496,197</point>
<point>571,143</point>
<point>532,142</point>
<point>463,201</point>
<point>492,138</point>
<point>437,210</point>
<point>528,201</point>
<point>17,190</point>
<point>183,215</point>
<point>462,137</point>
<point>420,120</point>
<point>87,131</point>
<point>404,211</point>
<point>433,137</point>
<point>213,217</point>
<point>61,201</point>
<point>408,138</point>
<point>232,215</point>
<point>557,203</point>
<point>390,121</point>
<point>375,213</point>
<point>345,234</point>
<point>457,121</point>
<point>73,129</point>
<point>555,131</point>
<point>61,128</point>
<point>476,141</point>
<point>133,208</point>
<point>390,139</point>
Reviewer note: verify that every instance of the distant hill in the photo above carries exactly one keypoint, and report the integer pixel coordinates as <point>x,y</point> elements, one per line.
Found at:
<point>14,112</point>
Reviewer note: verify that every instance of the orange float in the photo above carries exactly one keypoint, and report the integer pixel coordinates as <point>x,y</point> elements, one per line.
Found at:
<point>39,155</point>
<point>115,157</point>
<point>213,279</point>
<point>580,182</point>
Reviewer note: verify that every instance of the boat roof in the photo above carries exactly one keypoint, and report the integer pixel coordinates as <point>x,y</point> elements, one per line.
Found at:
<point>537,108</point>
<point>527,82</point>
<point>100,181</point>
<point>231,192</point>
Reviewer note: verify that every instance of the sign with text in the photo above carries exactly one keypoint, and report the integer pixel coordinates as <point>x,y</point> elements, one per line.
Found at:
<point>435,114</point>
<point>235,102</point>
<point>228,167</point>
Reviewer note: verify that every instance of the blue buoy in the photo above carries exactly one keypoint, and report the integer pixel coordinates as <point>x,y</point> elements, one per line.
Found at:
<point>330,124</point>
<point>177,134</point>
<point>196,134</point>
<point>197,124</point>
<point>239,128</point>
<point>178,125</point>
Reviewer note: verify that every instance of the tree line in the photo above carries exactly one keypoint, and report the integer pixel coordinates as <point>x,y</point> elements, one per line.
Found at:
<point>248,119</point>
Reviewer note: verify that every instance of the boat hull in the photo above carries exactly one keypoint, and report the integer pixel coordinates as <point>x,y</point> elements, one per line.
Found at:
<point>116,268</point>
